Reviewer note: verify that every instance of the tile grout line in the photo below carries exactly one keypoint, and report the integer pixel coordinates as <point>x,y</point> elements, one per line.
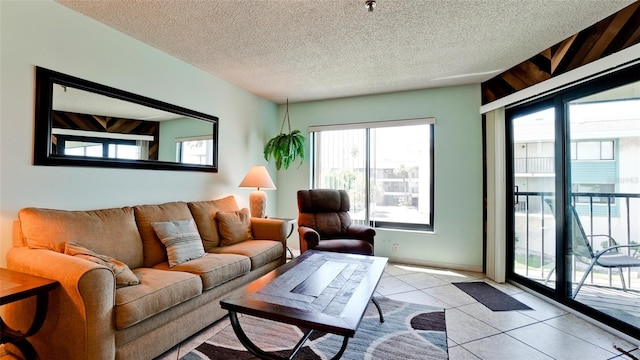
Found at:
<point>484,322</point>
<point>536,321</point>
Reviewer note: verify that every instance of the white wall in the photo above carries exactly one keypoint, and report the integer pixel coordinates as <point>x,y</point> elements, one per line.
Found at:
<point>457,240</point>
<point>47,34</point>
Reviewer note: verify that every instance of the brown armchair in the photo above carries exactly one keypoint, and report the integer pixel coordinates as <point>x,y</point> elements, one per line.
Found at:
<point>324,223</point>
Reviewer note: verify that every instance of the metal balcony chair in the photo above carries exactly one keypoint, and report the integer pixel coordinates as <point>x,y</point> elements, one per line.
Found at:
<point>324,223</point>
<point>609,257</point>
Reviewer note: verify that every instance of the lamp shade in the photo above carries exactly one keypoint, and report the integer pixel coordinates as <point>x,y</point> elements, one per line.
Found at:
<point>258,177</point>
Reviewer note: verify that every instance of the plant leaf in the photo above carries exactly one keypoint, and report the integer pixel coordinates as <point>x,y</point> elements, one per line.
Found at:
<point>285,149</point>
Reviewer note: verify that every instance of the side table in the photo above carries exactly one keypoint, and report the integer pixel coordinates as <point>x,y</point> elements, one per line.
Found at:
<point>292,225</point>
<point>16,286</point>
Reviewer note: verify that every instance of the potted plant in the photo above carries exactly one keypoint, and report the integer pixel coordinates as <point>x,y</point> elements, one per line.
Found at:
<point>285,148</point>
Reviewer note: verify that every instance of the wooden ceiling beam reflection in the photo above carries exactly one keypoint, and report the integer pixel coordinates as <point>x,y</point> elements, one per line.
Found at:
<point>618,31</point>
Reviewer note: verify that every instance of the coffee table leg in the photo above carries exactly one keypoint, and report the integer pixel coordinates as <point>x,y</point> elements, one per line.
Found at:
<point>342,349</point>
<point>375,302</point>
<point>233,317</point>
<point>244,340</point>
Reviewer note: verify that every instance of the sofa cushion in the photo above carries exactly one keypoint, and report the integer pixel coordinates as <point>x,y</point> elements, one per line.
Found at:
<point>260,252</point>
<point>204,213</point>
<point>98,230</point>
<point>234,226</point>
<point>158,290</point>
<point>213,269</point>
<point>181,239</point>
<point>154,250</point>
<point>124,275</point>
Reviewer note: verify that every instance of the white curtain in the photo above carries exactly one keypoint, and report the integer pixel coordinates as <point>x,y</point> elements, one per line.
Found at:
<point>496,196</point>
<point>143,146</point>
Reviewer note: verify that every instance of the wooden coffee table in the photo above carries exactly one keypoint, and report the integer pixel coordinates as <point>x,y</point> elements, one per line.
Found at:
<point>319,291</point>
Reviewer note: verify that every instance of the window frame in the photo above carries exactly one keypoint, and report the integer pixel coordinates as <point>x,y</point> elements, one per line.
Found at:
<point>103,142</point>
<point>367,126</point>
<point>558,99</point>
<point>210,148</point>
<point>577,156</point>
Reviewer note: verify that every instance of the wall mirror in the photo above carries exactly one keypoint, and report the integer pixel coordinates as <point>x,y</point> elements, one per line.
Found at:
<point>82,123</point>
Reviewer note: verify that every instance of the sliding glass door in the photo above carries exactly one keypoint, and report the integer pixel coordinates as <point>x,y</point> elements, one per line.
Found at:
<point>534,178</point>
<point>574,197</point>
<point>604,201</point>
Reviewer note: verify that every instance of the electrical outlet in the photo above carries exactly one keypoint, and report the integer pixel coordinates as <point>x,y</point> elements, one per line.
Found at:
<point>395,248</point>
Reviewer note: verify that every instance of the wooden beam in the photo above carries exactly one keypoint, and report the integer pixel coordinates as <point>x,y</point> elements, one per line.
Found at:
<point>561,52</point>
<point>609,33</point>
<point>614,33</point>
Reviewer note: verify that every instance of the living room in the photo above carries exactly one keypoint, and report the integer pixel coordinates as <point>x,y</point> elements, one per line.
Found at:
<point>246,122</point>
<point>50,35</point>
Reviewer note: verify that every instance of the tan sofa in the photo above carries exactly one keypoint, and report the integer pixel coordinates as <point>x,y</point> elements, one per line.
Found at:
<point>90,318</point>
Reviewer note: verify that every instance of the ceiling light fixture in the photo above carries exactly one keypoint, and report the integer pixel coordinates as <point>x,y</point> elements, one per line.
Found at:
<point>370,5</point>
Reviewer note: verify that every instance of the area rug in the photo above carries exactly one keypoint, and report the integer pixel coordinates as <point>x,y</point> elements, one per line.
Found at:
<point>490,297</point>
<point>410,331</point>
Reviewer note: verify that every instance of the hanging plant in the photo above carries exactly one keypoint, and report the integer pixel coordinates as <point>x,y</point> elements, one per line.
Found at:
<point>285,148</point>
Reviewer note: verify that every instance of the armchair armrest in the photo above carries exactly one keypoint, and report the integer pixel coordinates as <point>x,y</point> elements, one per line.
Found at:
<point>615,249</point>
<point>309,238</point>
<point>269,229</point>
<point>362,232</point>
<point>80,320</point>
<point>611,241</point>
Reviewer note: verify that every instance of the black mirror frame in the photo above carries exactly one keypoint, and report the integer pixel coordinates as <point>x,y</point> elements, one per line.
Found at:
<point>43,124</point>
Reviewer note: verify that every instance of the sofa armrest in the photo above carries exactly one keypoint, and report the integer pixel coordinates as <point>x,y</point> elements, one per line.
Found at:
<point>309,238</point>
<point>80,320</point>
<point>269,229</point>
<point>362,232</point>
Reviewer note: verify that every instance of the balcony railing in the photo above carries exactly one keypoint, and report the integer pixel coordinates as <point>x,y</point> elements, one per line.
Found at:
<point>614,214</point>
<point>534,165</point>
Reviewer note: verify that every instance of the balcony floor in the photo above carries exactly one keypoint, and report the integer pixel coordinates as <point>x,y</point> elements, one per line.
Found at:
<point>624,305</point>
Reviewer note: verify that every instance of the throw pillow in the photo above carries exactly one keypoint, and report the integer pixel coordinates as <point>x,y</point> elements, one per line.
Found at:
<point>181,239</point>
<point>234,226</point>
<point>124,275</point>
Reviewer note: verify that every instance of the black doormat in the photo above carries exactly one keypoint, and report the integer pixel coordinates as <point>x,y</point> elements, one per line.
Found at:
<point>491,297</point>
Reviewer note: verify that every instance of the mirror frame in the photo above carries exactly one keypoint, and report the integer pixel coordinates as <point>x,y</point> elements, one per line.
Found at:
<point>43,125</point>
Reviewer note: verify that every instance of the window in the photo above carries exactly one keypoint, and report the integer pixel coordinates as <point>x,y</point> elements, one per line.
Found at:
<point>126,151</point>
<point>195,150</point>
<point>81,148</point>
<point>386,167</point>
<point>592,150</point>
<point>101,147</point>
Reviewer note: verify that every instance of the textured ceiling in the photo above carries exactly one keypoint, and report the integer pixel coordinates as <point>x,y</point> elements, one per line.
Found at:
<point>310,50</point>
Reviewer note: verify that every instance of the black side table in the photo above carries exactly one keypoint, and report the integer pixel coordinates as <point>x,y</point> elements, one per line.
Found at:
<point>16,286</point>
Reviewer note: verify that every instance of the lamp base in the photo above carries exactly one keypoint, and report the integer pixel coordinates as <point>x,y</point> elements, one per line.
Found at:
<point>258,204</point>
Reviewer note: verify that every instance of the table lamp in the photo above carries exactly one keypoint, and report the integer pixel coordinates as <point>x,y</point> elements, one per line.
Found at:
<point>258,177</point>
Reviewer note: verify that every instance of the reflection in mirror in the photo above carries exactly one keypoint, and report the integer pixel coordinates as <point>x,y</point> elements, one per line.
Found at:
<point>88,124</point>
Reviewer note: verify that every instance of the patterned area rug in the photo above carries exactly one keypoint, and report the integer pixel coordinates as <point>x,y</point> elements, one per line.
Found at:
<point>410,331</point>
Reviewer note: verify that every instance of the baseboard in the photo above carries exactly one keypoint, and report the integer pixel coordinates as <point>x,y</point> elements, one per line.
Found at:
<point>435,264</point>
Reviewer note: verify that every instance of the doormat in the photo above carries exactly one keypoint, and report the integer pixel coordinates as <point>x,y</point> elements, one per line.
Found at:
<point>490,297</point>
<point>410,331</point>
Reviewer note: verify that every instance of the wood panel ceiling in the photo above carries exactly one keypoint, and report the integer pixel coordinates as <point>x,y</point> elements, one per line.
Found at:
<point>612,34</point>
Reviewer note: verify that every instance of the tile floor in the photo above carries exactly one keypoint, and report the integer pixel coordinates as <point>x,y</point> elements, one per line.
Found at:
<point>475,332</point>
